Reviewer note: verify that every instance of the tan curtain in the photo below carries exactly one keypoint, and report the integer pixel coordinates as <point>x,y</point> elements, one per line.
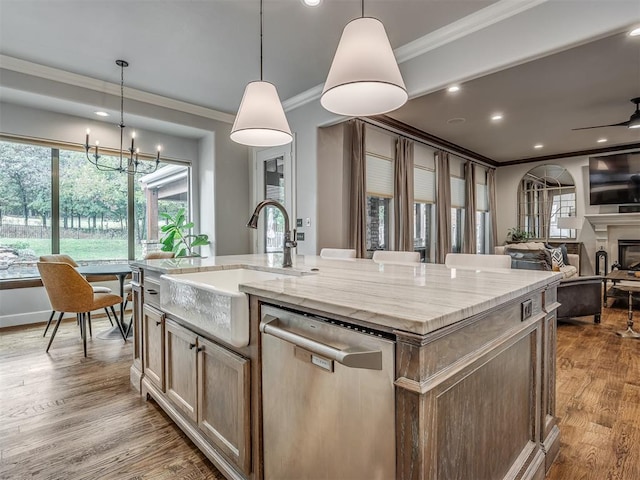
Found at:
<point>403,195</point>
<point>493,223</point>
<point>469,237</point>
<point>358,197</point>
<point>443,204</point>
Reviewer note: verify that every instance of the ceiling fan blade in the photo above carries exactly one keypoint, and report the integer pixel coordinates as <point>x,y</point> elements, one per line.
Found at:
<point>621,124</point>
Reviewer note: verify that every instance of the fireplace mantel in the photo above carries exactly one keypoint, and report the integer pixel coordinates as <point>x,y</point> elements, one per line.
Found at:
<point>605,220</point>
<point>606,238</point>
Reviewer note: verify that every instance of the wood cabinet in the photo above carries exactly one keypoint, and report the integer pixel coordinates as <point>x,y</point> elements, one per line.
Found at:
<point>224,401</point>
<point>153,324</point>
<point>181,349</point>
<point>210,385</point>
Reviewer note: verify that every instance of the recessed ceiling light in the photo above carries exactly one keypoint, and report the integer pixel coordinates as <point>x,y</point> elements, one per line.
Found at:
<point>635,32</point>
<point>602,140</point>
<point>453,121</point>
<point>102,114</point>
<point>496,116</point>
<point>311,3</point>
<point>453,88</point>
<point>538,145</point>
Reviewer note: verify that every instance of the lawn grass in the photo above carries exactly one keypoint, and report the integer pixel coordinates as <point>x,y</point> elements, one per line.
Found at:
<point>78,249</point>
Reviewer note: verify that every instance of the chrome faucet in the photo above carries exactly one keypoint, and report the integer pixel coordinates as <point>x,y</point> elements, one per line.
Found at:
<point>289,242</point>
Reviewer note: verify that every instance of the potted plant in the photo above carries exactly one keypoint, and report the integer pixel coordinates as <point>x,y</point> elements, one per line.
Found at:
<point>515,235</point>
<point>177,238</point>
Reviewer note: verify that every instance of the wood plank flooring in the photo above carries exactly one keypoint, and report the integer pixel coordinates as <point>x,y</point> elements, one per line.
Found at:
<point>66,417</point>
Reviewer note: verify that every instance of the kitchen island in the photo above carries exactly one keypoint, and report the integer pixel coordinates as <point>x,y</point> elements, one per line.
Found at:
<point>471,374</point>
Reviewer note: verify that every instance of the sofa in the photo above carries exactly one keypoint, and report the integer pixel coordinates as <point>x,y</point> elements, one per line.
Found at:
<point>579,296</point>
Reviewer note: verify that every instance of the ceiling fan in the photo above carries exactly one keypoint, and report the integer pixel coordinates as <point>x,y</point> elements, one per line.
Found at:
<point>633,122</point>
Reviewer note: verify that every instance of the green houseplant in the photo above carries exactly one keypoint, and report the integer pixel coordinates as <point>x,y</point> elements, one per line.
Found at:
<point>176,236</point>
<point>516,235</point>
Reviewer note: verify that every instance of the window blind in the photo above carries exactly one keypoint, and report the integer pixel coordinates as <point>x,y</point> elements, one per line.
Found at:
<point>379,176</point>
<point>457,192</point>
<point>424,185</point>
<point>482,198</point>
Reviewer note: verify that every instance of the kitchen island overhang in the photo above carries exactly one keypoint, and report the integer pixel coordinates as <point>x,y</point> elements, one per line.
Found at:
<point>474,356</point>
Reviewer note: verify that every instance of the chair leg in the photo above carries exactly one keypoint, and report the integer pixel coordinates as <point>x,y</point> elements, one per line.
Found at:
<point>83,320</point>
<point>53,312</point>
<point>89,320</point>
<point>109,316</point>
<point>129,327</point>
<point>55,329</point>
<point>124,337</point>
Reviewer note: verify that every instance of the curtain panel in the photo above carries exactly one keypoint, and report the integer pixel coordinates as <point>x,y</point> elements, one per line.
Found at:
<point>358,193</point>
<point>469,237</point>
<point>443,205</point>
<point>493,224</point>
<point>403,195</point>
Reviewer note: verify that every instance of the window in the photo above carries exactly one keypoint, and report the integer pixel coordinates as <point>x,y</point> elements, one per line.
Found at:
<point>274,190</point>
<point>379,202</point>
<point>457,213</point>
<point>482,211</point>
<point>54,201</point>
<point>424,188</point>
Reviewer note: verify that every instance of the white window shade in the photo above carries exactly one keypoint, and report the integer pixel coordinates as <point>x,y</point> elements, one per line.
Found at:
<point>482,199</point>
<point>457,192</point>
<point>379,177</point>
<point>424,185</point>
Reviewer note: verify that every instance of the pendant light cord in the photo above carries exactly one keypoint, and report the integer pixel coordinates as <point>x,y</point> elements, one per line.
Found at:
<point>261,40</point>
<point>362,8</point>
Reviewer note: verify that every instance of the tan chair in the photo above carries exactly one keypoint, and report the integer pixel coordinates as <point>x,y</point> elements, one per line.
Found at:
<point>338,253</point>
<point>385,256</point>
<point>62,258</point>
<point>70,292</point>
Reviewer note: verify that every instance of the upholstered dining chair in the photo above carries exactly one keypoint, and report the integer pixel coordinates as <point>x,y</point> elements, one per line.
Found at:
<point>386,256</point>
<point>70,292</point>
<point>338,253</point>
<point>62,258</point>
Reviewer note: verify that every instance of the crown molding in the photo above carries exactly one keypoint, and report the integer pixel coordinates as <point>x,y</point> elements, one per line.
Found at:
<point>625,147</point>
<point>465,26</point>
<point>62,76</point>
<point>484,18</point>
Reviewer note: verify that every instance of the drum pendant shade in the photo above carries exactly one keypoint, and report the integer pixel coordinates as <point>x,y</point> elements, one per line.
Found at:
<point>261,121</point>
<point>364,78</point>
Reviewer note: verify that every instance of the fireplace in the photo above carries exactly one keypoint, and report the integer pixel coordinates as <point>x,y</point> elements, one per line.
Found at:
<point>629,254</point>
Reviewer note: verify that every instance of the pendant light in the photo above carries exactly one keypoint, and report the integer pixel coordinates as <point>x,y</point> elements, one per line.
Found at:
<point>260,121</point>
<point>364,78</point>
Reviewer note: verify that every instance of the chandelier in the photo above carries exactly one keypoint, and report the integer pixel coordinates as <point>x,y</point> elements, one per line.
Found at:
<point>128,163</point>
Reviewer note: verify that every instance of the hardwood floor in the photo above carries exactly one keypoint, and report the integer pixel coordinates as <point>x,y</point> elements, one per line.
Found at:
<point>66,417</point>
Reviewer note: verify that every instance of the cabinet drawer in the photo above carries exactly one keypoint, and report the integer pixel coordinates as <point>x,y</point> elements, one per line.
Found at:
<point>152,291</point>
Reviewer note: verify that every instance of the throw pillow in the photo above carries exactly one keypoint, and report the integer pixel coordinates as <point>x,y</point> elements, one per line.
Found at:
<point>557,259</point>
<point>529,259</point>
<point>565,253</point>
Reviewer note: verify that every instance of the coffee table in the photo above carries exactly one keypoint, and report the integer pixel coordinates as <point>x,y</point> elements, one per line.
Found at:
<point>615,277</point>
<point>629,332</point>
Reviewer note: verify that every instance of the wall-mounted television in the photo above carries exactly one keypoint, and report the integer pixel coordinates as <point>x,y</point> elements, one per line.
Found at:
<point>614,179</point>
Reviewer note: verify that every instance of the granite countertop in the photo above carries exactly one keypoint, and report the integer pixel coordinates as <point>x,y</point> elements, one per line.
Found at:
<point>418,298</point>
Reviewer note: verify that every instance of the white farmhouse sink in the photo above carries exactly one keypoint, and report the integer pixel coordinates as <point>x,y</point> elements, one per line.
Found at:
<point>211,301</point>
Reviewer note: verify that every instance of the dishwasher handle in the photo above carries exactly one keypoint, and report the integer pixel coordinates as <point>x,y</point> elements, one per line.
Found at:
<point>351,357</point>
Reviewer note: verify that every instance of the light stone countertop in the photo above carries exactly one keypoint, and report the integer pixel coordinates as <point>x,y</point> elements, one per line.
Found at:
<point>418,298</point>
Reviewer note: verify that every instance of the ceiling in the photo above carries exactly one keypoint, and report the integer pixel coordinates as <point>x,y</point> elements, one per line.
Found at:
<point>541,102</point>
<point>205,51</point>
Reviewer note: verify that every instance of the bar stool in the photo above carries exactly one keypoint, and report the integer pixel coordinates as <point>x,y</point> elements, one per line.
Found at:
<point>629,332</point>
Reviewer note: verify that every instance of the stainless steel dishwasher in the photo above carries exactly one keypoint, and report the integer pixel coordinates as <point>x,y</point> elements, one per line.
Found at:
<point>328,399</point>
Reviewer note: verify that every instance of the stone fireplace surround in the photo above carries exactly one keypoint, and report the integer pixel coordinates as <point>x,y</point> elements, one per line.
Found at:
<point>609,228</point>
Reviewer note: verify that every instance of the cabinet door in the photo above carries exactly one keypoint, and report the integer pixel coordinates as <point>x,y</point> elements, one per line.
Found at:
<point>223,401</point>
<point>180,353</point>
<point>153,351</point>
